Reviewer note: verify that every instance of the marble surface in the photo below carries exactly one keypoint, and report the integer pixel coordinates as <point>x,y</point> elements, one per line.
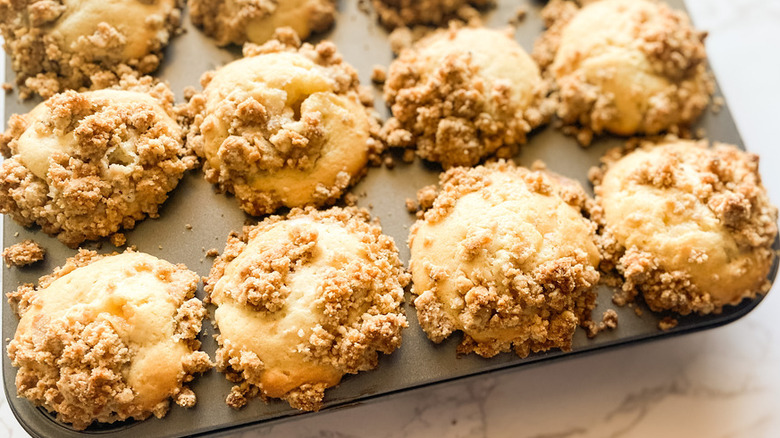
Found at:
<point>719,383</point>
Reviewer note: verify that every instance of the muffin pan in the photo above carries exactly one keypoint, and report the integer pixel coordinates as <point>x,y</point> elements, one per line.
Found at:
<point>212,216</point>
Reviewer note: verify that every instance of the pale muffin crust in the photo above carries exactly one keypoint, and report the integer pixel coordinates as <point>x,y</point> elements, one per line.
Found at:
<point>57,45</point>
<point>463,94</point>
<point>23,253</point>
<point>240,21</point>
<point>108,338</point>
<point>407,13</point>
<point>303,299</point>
<point>690,227</point>
<point>84,165</point>
<point>625,67</point>
<point>288,125</point>
<point>506,256</point>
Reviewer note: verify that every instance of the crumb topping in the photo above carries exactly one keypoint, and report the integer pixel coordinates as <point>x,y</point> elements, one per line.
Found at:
<point>326,287</point>
<point>57,45</point>
<point>506,256</point>
<point>240,21</point>
<point>297,131</point>
<point>449,102</point>
<point>84,165</point>
<point>23,253</point>
<point>103,355</point>
<point>690,227</point>
<point>623,66</point>
<point>406,13</point>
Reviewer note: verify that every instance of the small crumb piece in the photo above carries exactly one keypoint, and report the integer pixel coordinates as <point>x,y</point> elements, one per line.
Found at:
<point>212,253</point>
<point>519,16</point>
<point>426,196</point>
<point>8,87</point>
<point>350,199</point>
<point>621,297</point>
<point>667,323</point>
<point>591,329</point>
<point>159,246</point>
<point>389,161</point>
<point>188,226</point>
<point>609,320</point>
<point>411,205</point>
<point>717,104</point>
<point>16,234</point>
<point>408,156</point>
<point>118,239</point>
<point>23,253</point>
<point>378,74</point>
<point>638,311</point>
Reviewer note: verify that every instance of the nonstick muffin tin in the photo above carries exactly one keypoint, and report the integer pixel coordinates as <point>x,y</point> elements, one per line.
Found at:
<point>212,216</point>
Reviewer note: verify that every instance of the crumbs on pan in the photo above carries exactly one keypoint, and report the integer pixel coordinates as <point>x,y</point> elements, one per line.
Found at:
<point>425,198</point>
<point>23,253</point>
<point>519,16</point>
<point>717,104</point>
<point>350,199</point>
<point>667,323</point>
<point>118,239</point>
<point>609,321</point>
<point>378,74</point>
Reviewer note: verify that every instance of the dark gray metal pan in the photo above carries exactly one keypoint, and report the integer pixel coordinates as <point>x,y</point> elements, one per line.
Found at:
<point>418,362</point>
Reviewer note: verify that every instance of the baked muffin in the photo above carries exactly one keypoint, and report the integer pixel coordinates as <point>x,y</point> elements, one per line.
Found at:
<point>689,227</point>
<point>84,165</point>
<point>304,299</point>
<point>108,338</point>
<point>283,127</point>
<point>66,44</point>
<point>506,256</point>
<point>462,94</point>
<point>625,67</point>
<point>240,21</point>
<point>407,13</point>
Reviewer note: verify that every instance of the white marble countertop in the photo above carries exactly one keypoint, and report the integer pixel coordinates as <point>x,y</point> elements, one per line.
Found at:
<point>719,383</point>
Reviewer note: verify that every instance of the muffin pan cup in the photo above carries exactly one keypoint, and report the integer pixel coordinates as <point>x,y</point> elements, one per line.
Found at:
<point>419,362</point>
